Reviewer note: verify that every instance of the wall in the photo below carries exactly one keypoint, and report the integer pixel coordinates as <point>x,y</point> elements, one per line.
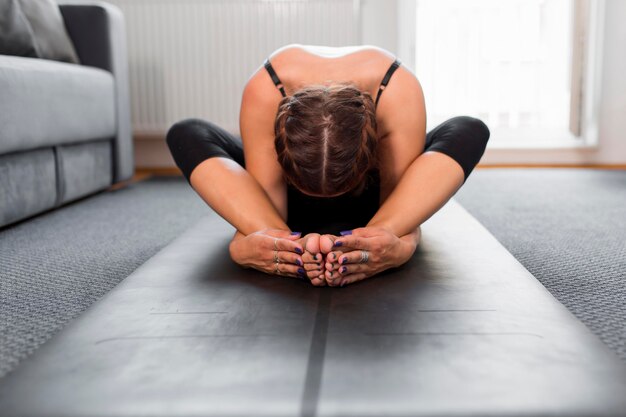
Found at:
<point>378,23</point>
<point>383,22</point>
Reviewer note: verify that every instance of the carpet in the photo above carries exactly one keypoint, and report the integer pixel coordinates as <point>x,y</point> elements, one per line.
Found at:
<point>568,228</point>
<point>55,265</point>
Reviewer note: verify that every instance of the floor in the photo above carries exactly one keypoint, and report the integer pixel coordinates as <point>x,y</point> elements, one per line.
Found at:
<point>566,226</point>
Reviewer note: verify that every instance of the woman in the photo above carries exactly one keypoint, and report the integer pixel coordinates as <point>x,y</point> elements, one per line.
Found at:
<point>328,155</point>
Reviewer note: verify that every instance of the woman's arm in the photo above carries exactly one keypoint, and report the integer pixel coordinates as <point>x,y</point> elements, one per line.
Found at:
<point>259,104</point>
<point>265,211</point>
<point>431,180</point>
<point>414,185</point>
<point>425,187</point>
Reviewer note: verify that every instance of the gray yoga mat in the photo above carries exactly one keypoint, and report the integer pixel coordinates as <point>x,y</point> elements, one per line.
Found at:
<point>461,329</point>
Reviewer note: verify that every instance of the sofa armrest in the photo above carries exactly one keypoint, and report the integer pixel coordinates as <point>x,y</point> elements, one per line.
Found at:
<point>98,32</point>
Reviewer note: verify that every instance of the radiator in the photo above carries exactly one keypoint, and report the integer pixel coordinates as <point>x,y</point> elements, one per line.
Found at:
<point>192,58</point>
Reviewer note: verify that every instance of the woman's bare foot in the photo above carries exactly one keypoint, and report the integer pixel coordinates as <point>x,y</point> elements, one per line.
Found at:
<point>331,255</point>
<point>313,259</point>
<point>326,243</point>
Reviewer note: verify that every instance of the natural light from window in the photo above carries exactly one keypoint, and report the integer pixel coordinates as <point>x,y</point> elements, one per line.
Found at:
<point>507,62</point>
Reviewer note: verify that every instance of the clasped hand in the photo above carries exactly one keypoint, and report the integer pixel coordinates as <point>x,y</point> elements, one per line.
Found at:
<point>325,259</point>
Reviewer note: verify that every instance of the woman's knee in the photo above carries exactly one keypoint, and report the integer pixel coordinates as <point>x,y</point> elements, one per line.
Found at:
<point>470,134</point>
<point>184,131</point>
<point>192,141</point>
<point>463,138</point>
<point>474,129</point>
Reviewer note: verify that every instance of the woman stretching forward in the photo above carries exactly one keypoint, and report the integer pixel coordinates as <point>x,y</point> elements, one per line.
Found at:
<point>323,152</point>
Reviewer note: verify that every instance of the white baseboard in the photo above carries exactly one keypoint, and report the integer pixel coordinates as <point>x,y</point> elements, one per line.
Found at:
<point>152,152</point>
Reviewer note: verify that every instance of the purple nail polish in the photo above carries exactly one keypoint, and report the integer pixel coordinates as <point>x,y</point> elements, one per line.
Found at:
<point>299,262</point>
<point>344,269</point>
<point>344,260</point>
<point>338,243</point>
<point>299,251</point>
<point>301,271</point>
<point>295,233</point>
<point>345,232</point>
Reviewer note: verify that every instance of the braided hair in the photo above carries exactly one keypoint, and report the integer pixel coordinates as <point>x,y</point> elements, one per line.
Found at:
<point>326,140</point>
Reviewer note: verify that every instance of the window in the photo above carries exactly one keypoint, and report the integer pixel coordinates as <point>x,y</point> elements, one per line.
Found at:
<point>515,64</point>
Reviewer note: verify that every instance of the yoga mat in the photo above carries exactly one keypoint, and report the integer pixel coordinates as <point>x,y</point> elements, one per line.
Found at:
<point>461,329</point>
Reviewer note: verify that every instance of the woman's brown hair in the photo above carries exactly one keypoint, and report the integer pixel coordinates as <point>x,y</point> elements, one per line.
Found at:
<point>325,138</point>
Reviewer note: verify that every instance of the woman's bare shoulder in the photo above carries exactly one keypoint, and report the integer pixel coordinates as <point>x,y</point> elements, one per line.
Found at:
<point>260,96</point>
<point>403,98</point>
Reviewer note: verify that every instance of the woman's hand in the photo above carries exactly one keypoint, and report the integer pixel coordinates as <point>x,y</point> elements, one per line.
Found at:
<point>260,250</point>
<point>385,250</point>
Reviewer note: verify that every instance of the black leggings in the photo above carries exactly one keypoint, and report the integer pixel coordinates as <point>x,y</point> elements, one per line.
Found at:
<point>192,141</point>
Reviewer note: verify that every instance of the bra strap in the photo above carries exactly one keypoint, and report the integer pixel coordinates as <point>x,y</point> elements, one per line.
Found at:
<point>386,78</point>
<point>275,79</point>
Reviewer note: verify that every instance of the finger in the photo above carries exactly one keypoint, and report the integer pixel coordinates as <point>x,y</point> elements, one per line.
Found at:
<point>294,236</point>
<point>351,257</point>
<point>354,242</point>
<point>352,278</point>
<point>346,270</point>
<point>367,231</point>
<point>290,257</point>
<point>290,270</point>
<point>283,234</point>
<point>288,245</point>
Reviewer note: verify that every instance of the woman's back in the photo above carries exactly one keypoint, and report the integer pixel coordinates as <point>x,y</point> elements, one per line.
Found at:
<point>353,209</point>
<point>285,72</point>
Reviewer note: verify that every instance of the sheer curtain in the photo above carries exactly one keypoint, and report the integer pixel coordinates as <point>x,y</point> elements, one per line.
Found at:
<point>507,62</point>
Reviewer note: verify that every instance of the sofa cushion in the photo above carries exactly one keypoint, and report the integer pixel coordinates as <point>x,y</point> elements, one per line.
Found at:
<point>84,168</point>
<point>28,184</point>
<point>51,38</point>
<point>16,36</point>
<point>47,103</point>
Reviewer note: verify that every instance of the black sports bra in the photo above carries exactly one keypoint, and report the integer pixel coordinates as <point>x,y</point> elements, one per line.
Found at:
<point>383,84</point>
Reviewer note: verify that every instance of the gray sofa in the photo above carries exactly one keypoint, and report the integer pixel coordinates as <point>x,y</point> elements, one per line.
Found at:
<point>65,129</point>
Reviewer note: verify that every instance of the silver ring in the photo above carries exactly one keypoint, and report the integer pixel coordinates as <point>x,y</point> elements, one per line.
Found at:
<point>276,271</point>
<point>276,260</point>
<point>276,244</point>
<point>365,256</point>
